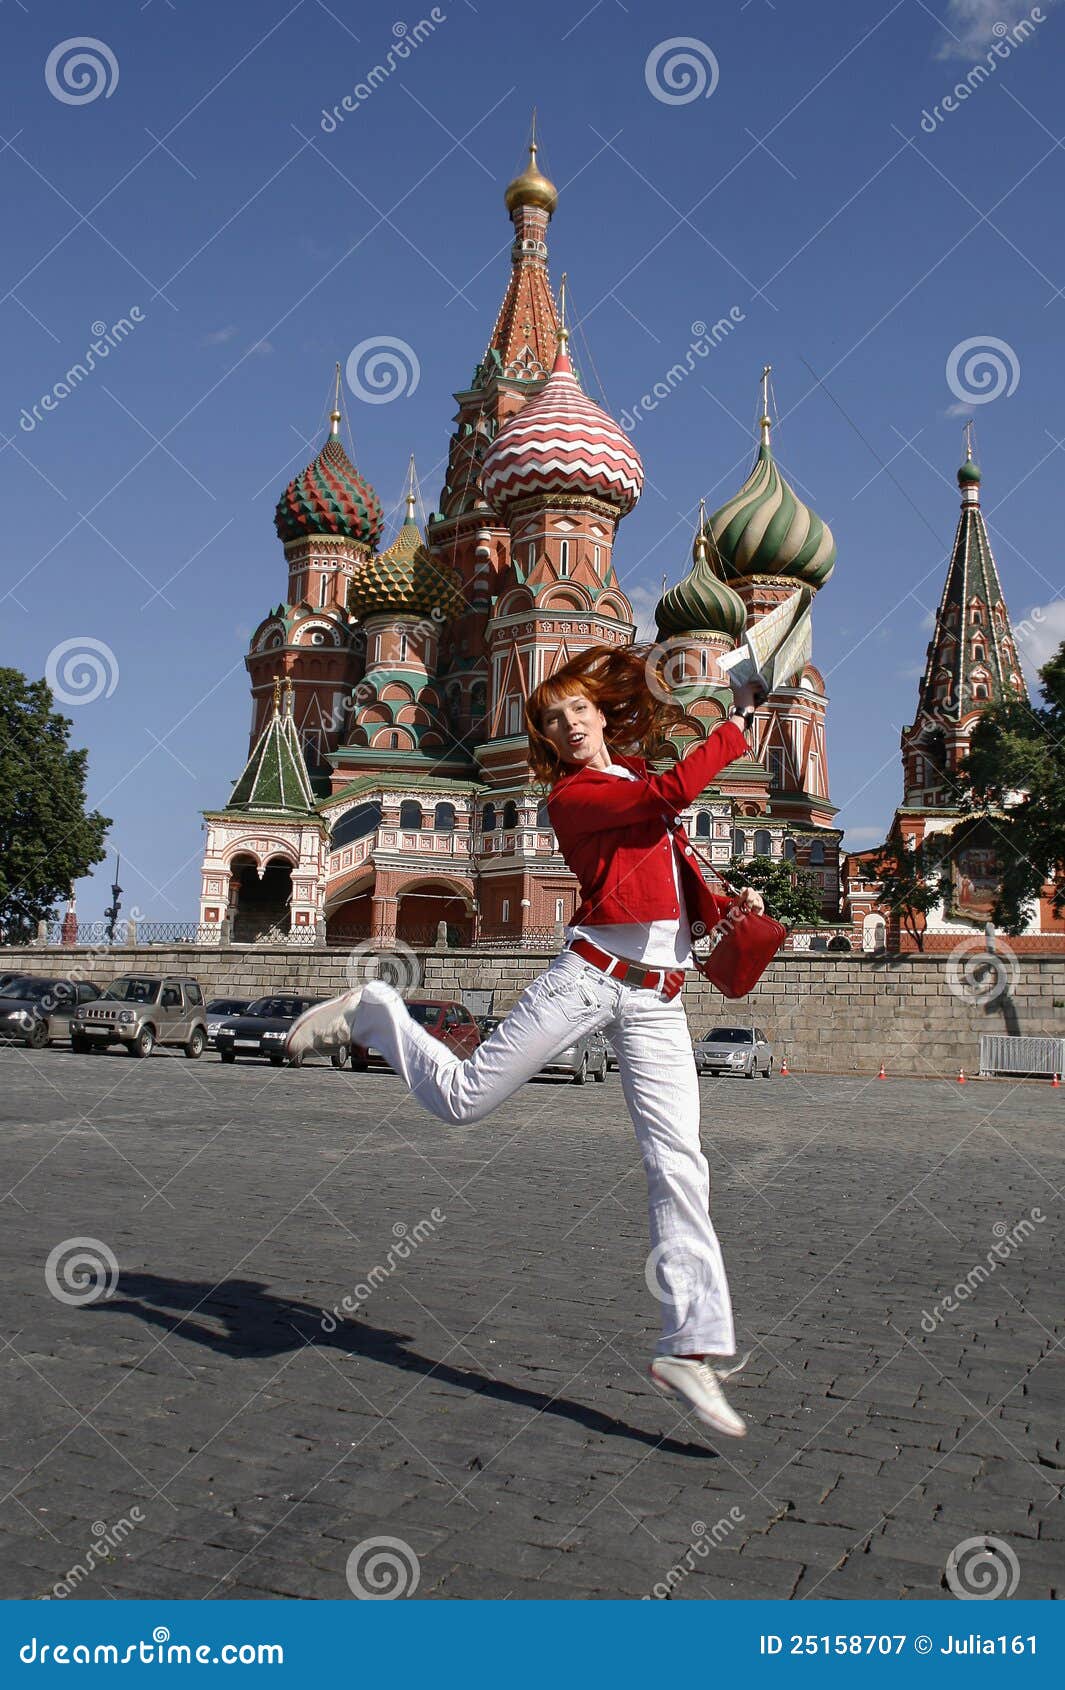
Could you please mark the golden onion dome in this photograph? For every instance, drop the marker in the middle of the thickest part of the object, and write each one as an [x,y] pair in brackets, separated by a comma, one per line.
[532,187]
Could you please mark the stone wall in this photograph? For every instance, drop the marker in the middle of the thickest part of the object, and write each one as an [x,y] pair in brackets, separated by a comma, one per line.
[829,1013]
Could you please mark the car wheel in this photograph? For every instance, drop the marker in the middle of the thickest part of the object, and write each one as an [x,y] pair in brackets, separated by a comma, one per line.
[38,1038]
[195,1047]
[769,1069]
[752,1070]
[143,1044]
[601,1076]
[339,1057]
[581,1075]
[227,1055]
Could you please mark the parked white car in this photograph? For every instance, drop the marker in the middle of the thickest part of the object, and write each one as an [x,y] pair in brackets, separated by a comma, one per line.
[734,1050]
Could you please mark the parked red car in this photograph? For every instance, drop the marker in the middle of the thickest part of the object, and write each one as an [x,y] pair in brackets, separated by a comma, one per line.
[448,1021]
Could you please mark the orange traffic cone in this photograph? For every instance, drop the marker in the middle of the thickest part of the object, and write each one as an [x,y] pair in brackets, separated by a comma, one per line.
[961,1076]
[1056,1081]
[784,1069]
[883,1072]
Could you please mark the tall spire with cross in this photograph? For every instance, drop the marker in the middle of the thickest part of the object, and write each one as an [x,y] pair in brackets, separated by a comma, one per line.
[523,340]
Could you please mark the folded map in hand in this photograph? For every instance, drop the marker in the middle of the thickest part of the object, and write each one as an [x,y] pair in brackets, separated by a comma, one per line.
[776,647]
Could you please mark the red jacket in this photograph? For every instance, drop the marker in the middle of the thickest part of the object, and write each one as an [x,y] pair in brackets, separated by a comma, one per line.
[615,836]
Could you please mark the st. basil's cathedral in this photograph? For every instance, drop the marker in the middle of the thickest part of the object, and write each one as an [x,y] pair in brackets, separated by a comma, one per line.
[387,790]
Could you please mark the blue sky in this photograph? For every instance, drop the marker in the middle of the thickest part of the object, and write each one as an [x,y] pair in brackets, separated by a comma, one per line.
[815,182]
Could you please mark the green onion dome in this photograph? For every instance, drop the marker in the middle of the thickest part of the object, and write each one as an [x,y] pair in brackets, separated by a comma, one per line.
[969,474]
[702,602]
[767,530]
[330,497]
[406,580]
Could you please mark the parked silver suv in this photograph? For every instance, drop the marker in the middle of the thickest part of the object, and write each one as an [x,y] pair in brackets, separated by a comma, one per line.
[141,1011]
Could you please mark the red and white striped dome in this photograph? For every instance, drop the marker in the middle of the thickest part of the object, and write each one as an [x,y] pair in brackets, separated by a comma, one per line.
[562,442]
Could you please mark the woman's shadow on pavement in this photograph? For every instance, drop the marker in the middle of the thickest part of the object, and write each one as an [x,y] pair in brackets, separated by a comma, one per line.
[255,1322]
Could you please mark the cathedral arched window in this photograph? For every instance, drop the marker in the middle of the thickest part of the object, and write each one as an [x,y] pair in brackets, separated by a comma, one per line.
[976,616]
[542,817]
[444,818]
[488,819]
[410,815]
[763,843]
[702,825]
[355,824]
[510,813]
[980,690]
[789,850]
[817,852]
[739,843]
[403,639]
[978,653]
[563,558]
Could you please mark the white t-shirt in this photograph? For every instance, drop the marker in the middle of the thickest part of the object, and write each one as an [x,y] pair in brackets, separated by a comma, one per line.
[660,944]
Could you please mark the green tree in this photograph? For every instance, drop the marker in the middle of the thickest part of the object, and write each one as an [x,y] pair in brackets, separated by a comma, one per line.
[47,838]
[1015,776]
[791,894]
[911,883]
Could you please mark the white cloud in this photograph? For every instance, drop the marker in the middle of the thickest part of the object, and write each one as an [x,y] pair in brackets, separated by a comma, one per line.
[643,602]
[218,337]
[971,25]
[1039,633]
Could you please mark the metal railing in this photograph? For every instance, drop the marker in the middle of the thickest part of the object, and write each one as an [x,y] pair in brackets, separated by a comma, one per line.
[1002,1053]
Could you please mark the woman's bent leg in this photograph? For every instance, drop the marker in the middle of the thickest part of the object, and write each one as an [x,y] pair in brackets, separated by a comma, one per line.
[545,1019]
[661,1086]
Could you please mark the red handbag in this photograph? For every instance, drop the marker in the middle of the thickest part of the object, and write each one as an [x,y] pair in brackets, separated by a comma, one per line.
[743,944]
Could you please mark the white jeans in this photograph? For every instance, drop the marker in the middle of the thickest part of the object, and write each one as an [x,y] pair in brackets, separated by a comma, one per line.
[685,1270]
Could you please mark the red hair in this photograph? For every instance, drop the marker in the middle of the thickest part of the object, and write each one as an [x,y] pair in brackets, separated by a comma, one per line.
[617,679]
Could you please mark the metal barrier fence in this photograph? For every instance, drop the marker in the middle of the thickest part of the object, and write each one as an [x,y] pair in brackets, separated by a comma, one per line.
[1001,1053]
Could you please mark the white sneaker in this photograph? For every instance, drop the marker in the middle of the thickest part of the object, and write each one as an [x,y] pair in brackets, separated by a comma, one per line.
[324,1026]
[697,1384]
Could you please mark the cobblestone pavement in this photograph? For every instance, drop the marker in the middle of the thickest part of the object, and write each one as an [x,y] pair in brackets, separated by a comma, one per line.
[212,1428]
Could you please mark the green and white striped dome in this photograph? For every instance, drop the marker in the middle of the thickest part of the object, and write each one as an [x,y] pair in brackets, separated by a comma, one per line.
[702,603]
[767,530]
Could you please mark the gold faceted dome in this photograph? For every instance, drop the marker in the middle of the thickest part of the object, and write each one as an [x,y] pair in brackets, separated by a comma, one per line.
[532,187]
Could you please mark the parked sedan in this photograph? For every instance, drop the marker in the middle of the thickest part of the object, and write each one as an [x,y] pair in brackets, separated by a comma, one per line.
[220,1010]
[35,1011]
[262,1029]
[587,1055]
[446,1019]
[734,1050]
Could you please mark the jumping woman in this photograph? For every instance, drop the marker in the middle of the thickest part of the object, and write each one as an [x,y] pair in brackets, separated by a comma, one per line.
[621,971]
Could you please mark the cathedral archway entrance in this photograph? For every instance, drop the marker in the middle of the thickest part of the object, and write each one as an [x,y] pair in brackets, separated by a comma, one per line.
[262,903]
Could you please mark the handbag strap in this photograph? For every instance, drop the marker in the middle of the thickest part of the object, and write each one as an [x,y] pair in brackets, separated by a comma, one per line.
[714,870]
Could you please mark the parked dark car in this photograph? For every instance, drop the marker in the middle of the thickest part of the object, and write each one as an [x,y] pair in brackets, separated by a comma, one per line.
[34,1011]
[488,1024]
[447,1020]
[262,1029]
[220,1010]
